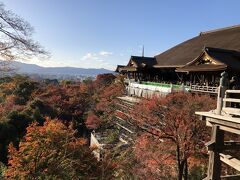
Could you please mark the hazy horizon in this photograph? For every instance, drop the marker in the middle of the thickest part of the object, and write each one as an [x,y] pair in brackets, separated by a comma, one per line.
[94,34]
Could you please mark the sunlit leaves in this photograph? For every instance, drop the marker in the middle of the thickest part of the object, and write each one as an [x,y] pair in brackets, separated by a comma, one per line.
[52,151]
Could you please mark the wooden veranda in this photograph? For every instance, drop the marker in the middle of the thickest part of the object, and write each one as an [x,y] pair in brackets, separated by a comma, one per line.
[226,118]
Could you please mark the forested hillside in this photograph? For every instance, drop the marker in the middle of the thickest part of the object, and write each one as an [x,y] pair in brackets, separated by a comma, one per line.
[41,122]
[45,131]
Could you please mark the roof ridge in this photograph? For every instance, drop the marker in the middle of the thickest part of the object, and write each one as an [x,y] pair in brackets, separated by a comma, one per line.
[219,29]
[143,57]
[220,49]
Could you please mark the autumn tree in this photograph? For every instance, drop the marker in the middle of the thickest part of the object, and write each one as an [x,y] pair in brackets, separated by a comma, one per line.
[24,101]
[102,96]
[104,80]
[172,120]
[106,105]
[68,102]
[155,158]
[77,104]
[52,151]
[92,121]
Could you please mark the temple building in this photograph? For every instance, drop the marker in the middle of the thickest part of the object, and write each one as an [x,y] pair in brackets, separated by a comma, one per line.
[146,69]
[196,63]
[205,69]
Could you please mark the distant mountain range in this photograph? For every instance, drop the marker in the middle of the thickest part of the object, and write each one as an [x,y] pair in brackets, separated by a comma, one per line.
[35,69]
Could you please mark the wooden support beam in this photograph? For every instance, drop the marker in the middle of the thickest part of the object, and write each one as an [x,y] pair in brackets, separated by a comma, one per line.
[224,125]
[231,100]
[231,161]
[202,118]
[231,177]
[210,145]
[214,165]
[231,110]
[229,145]
[212,115]
[232,91]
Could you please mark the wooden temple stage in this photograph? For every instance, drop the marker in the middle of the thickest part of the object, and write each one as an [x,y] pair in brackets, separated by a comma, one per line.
[226,118]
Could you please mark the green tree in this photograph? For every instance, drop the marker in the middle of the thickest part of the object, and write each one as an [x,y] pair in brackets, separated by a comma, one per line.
[23,92]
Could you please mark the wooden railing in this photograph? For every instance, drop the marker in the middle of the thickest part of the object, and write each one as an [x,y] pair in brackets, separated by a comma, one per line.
[225,118]
[205,89]
[231,102]
[175,87]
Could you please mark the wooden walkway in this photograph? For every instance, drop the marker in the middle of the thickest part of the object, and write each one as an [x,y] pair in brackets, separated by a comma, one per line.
[226,118]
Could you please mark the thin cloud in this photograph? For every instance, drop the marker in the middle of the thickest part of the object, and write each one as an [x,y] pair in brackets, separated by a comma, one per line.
[97,60]
[90,56]
[96,56]
[105,53]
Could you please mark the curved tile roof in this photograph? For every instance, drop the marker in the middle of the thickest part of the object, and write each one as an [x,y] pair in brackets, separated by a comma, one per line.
[140,61]
[225,38]
[223,59]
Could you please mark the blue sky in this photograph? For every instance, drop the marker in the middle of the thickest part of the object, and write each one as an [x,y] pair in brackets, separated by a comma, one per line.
[104,33]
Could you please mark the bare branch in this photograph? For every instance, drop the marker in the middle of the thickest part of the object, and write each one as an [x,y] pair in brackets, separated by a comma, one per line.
[16,38]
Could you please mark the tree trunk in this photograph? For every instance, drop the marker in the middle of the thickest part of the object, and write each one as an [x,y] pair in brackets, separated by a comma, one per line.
[180,164]
[185,169]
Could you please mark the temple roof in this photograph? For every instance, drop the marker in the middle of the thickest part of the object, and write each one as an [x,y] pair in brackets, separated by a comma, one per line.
[142,62]
[125,68]
[225,38]
[213,59]
[118,69]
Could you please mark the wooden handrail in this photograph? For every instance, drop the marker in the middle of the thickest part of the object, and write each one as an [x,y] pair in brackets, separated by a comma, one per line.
[203,88]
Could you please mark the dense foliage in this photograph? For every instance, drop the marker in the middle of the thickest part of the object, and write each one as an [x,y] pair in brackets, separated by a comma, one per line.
[52,151]
[169,141]
[25,105]
[173,138]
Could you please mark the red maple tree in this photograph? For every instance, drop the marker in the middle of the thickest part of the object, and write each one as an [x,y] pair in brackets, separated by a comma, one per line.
[172,119]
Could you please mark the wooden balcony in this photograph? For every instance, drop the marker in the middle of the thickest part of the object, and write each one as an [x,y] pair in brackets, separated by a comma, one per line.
[151,89]
[148,89]
[203,89]
[225,118]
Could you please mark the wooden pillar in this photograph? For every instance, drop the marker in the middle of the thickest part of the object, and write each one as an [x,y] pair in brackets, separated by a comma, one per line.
[213,80]
[203,80]
[215,146]
[207,80]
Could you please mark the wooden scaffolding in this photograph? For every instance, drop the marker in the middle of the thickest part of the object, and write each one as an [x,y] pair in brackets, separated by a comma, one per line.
[226,118]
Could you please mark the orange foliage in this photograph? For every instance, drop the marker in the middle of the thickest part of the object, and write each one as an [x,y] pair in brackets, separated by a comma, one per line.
[52,152]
